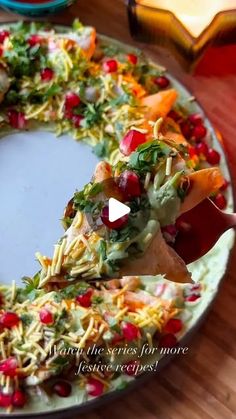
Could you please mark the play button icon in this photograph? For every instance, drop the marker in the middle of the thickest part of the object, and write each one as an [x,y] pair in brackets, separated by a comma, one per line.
[117,209]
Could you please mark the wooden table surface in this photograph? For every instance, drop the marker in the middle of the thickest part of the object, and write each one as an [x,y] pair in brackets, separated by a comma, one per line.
[202,384]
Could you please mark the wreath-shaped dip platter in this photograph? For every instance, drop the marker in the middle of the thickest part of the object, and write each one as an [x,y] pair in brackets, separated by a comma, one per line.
[81,326]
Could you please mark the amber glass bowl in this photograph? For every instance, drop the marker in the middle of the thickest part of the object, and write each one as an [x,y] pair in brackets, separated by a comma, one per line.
[162,27]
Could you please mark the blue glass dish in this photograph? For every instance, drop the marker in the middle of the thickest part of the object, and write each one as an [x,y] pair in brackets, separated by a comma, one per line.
[35,9]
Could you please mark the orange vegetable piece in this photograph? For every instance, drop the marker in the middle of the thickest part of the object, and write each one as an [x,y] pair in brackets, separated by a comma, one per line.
[159,104]
[202,184]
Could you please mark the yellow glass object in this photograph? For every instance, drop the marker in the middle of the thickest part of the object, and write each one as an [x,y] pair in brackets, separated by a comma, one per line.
[186,27]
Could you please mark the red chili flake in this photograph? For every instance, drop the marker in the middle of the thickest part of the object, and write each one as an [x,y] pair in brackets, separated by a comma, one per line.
[94,387]
[85,300]
[173,326]
[62,388]
[46,316]
[132,58]
[9,319]
[110,66]
[167,341]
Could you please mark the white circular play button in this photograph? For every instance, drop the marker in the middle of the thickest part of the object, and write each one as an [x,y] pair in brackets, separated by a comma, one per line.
[117,209]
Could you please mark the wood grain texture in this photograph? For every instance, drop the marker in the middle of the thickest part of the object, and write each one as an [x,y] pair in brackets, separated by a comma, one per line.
[202,384]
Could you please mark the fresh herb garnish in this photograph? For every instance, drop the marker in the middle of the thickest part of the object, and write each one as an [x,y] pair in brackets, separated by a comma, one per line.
[102,249]
[26,319]
[71,291]
[83,199]
[148,155]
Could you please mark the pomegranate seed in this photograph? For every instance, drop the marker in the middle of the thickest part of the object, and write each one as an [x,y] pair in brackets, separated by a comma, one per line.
[192,152]
[129,183]
[114,225]
[16,119]
[170,229]
[62,388]
[76,119]
[9,319]
[94,387]
[213,157]
[69,114]
[167,341]
[130,331]
[186,129]
[202,149]
[1,51]
[47,74]
[9,366]
[46,317]
[220,201]
[199,132]
[162,82]
[85,299]
[117,338]
[192,297]
[110,66]
[131,141]
[225,185]
[173,326]
[72,100]
[195,119]
[132,58]
[19,398]
[174,115]
[131,367]
[195,287]
[34,40]
[5,400]
[3,36]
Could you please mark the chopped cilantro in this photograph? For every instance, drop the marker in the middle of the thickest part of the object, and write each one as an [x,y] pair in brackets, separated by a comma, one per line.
[102,249]
[26,319]
[97,299]
[71,291]
[148,156]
